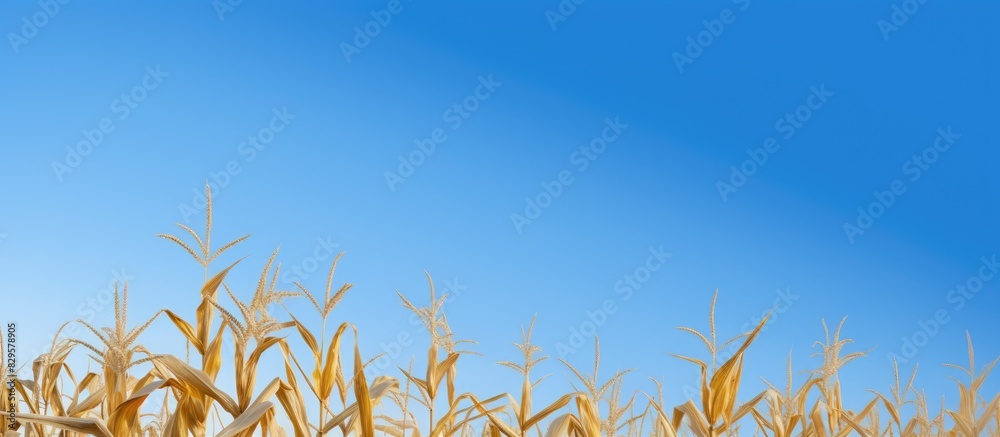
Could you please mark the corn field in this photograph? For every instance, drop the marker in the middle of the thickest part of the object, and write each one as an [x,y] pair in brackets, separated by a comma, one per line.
[113,399]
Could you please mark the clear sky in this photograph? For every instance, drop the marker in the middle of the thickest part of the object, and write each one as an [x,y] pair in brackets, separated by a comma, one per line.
[610,163]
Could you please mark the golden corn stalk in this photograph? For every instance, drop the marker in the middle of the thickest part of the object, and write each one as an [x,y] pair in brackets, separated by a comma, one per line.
[330,394]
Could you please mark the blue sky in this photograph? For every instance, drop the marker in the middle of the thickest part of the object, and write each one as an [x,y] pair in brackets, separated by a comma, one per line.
[610,132]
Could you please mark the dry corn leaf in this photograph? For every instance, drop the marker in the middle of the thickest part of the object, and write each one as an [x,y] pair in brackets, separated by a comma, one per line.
[246,421]
[198,381]
[85,426]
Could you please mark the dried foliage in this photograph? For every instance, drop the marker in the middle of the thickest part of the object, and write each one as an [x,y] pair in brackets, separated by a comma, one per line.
[116,399]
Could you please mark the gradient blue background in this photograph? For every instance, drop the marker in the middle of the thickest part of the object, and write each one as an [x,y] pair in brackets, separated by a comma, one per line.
[656,185]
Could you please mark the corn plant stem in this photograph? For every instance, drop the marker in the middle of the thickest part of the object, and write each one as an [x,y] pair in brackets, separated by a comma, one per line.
[322,402]
[431,410]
